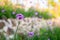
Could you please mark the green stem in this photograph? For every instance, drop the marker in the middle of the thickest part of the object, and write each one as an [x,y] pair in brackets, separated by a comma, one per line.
[15,34]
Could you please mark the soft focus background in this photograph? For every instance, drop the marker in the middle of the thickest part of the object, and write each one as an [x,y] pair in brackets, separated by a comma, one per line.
[29,19]
[50,6]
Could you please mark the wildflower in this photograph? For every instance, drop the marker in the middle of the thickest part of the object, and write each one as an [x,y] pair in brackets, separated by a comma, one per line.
[31,34]
[3,11]
[36,13]
[49,22]
[13,13]
[19,16]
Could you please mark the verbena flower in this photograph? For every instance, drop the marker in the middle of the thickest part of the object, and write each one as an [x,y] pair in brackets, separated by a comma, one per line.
[3,11]
[20,16]
[13,12]
[49,22]
[30,34]
[36,13]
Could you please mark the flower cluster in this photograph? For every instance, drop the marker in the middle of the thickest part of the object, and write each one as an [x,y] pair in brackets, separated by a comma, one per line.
[30,34]
[19,16]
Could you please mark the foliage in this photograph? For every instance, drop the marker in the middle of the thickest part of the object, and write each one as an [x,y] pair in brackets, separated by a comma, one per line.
[30,13]
[2,37]
[44,35]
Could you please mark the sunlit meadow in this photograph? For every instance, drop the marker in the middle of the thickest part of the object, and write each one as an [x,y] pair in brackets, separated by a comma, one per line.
[29,19]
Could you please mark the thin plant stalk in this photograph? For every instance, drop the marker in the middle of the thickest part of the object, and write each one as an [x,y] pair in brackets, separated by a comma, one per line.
[15,34]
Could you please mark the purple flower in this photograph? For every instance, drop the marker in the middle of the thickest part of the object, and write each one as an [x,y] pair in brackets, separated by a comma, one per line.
[50,22]
[13,12]
[36,13]
[30,34]
[19,16]
[3,11]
